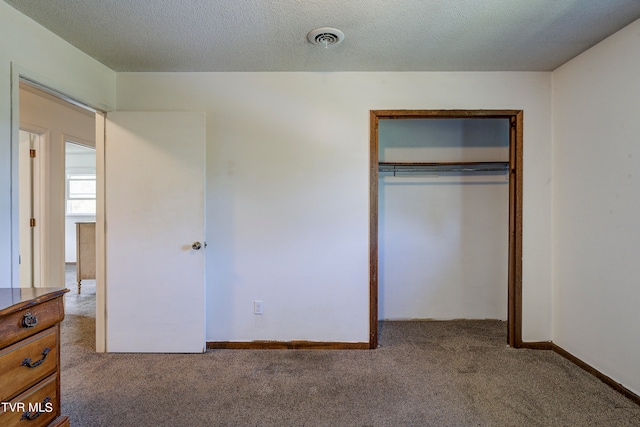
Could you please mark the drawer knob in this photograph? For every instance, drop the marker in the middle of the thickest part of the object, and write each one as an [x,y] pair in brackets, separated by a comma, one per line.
[27,362]
[45,406]
[29,320]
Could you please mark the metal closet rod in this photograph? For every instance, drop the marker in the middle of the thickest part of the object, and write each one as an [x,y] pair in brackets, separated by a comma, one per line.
[402,167]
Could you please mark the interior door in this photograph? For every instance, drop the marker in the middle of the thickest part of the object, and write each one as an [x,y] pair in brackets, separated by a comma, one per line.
[154,231]
[25,209]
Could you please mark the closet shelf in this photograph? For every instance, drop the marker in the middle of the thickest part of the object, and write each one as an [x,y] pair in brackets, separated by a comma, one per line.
[417,168]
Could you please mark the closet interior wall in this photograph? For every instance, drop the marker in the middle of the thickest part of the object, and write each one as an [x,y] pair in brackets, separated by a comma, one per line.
[443,233]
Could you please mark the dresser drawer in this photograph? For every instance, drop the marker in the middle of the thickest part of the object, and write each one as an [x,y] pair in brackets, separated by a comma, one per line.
[25,363]
[36,407]
[30,320]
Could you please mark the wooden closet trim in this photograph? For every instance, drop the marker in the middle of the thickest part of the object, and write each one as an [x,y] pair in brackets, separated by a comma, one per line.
[514,309]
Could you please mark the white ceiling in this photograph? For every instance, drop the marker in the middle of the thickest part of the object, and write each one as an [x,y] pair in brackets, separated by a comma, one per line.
[380,35]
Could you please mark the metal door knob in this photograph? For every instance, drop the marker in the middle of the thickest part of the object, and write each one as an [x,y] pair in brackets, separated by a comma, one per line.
[196,245]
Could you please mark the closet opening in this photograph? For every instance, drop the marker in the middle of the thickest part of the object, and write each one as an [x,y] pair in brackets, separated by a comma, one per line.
[455,176]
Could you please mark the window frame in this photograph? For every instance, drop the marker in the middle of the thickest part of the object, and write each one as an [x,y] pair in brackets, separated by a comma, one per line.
[85,174]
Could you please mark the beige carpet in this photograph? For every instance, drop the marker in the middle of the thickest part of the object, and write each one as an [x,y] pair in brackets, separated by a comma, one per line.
[458,373]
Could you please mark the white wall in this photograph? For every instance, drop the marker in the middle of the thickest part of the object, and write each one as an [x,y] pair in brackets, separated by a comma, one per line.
[40,55]
[596,104]
[287,189]
[443,238]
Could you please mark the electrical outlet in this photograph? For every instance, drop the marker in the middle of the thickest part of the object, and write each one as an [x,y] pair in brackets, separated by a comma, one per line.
[258,307]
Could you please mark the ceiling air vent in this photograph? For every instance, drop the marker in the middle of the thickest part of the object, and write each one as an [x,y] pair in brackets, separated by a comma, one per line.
[325,36]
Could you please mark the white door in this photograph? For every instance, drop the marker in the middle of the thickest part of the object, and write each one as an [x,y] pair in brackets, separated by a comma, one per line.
[25,208]
[30,222]
[154,214]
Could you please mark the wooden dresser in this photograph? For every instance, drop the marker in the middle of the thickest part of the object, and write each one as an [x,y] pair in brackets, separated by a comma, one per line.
[85,251]
[30,357]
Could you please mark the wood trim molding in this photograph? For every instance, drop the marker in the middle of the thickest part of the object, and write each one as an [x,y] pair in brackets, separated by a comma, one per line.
[538,345]
[593,371]
[373,229]
[445,114]
[286,345]
[514,297]
[515,232]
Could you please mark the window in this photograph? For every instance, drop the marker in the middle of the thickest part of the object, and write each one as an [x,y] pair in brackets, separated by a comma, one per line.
[81,193]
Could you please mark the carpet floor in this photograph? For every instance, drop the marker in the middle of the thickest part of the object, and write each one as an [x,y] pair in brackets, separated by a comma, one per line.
[453,373]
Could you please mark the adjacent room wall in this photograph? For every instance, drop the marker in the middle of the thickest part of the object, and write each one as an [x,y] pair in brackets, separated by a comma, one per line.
[40,55]
[287,189]
[596,104]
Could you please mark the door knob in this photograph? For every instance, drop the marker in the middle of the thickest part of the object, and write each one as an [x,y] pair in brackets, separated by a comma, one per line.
[196,245]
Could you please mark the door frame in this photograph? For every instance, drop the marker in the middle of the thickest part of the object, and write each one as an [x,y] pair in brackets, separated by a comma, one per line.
[42,82]
[38,205]
[514,286]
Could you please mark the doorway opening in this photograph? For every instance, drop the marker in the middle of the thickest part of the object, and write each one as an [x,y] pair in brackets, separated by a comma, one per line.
[510,164]
[88,131]
[80,215]
[58,138]
[48,125]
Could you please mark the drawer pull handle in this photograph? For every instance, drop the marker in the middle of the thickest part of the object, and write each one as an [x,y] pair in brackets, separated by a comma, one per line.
[27,362]
[29,320]
[44,407]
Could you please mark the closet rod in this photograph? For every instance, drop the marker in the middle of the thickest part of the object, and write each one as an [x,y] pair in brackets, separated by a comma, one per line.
[393,168]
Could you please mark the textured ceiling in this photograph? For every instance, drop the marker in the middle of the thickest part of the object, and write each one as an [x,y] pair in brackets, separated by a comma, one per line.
[380,35]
